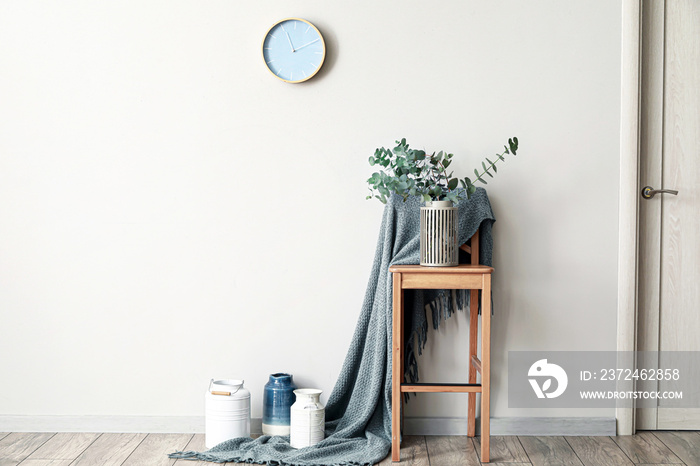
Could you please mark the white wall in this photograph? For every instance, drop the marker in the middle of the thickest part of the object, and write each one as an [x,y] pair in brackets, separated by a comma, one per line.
[170,212]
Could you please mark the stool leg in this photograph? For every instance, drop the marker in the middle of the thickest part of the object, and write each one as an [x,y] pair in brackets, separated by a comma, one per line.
[473,335]
[403,363]
[397,356]
[485,367]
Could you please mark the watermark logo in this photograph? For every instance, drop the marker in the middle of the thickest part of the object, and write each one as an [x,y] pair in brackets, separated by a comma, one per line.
[546,371]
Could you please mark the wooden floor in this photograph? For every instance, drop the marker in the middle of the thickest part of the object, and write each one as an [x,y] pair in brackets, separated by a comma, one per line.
[645,448]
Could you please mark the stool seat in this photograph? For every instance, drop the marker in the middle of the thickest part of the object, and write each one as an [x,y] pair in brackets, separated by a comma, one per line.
[473,277]
[461,268]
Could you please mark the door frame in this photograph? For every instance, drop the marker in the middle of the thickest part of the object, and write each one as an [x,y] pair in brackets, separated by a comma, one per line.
[641,159]
[628,235]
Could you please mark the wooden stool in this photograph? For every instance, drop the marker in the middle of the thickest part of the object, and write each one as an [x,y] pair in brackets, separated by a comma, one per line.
[472,277]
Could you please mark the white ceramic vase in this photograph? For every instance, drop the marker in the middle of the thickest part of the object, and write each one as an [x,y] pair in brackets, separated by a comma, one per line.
[438,234]
[308,419]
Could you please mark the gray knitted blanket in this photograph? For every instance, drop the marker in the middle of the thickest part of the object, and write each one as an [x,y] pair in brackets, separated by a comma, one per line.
[358,412]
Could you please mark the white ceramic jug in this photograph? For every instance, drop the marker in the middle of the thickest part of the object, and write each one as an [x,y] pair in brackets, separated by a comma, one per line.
[308,419]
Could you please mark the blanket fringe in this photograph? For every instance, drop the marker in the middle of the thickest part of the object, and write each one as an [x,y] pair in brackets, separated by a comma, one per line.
[203,456]
[195,456]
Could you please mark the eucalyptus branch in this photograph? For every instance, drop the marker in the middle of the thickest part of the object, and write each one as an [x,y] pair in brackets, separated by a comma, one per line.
[410,172]
[491,165]
[513,143]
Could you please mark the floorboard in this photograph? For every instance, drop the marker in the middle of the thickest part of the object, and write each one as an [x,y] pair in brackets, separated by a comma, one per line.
[598,451]
[549,451]
[109,450]
[29,462]
[154,449]
[16,446]
[500,464]
[645,448]
[63,446]
[504,449]
[685,444]
[414,452]
[451,450]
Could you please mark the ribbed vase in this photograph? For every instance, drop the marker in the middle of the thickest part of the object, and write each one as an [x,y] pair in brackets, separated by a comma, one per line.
[278,398]
[438,234]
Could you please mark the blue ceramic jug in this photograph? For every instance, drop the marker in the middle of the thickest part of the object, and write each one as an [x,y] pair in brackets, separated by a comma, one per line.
[278,398]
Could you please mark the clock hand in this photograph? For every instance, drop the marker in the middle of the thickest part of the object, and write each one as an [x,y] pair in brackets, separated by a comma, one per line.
[289,39]
[305,45]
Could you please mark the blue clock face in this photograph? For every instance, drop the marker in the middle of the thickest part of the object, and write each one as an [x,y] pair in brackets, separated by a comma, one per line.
[294,50]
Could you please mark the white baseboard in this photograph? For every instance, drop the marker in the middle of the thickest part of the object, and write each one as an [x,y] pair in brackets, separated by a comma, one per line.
[412,426]
[126,424]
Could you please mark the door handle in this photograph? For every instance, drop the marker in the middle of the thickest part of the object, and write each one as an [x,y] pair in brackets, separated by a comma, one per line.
[648,192]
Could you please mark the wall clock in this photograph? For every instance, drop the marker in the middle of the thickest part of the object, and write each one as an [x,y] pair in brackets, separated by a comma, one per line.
[294,50]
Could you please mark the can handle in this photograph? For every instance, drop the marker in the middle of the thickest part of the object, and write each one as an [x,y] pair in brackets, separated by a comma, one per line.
[239,387]
[230,393]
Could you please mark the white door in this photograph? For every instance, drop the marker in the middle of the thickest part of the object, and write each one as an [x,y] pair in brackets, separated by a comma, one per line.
[669,258]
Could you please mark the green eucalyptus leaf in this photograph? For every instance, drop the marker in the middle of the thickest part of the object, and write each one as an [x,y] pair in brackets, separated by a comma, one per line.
[472,189]
[513,145]
[452,184]
[427,198]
